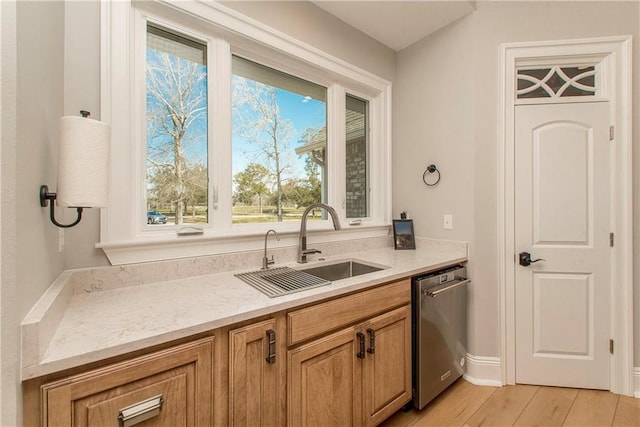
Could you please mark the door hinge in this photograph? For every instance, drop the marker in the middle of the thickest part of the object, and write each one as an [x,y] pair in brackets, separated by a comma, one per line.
[611,346]
[611,133]
[611,239]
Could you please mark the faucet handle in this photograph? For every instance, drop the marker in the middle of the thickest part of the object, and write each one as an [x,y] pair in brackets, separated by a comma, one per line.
[266,262]
[311,251]
[303,254]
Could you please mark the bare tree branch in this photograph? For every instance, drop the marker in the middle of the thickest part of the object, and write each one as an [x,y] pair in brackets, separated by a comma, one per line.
[176,99]
[259,122]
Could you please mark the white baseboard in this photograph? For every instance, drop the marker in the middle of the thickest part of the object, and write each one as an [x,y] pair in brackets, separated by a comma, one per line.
[484,371]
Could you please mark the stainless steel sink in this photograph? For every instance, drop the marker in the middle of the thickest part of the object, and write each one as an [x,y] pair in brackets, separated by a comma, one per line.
[276,282]
[342,270]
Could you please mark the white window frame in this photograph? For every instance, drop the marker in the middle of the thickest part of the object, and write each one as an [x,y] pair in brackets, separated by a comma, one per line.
[123,238]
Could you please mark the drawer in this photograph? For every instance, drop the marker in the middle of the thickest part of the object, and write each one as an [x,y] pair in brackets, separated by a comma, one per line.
[324,317]
[169,387]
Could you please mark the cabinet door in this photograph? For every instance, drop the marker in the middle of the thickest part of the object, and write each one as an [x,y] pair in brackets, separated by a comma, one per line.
[170,387]
[325,382]
[254,371]
[387,368]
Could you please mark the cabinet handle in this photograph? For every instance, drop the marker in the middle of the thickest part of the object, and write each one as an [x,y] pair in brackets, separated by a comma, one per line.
[141,411]
[360,354]
[271,340]
[372,341]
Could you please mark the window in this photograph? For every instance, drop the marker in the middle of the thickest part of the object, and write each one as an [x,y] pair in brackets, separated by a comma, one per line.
[556,82]
[357,165]
[218,135]
[278,161]
[176,128]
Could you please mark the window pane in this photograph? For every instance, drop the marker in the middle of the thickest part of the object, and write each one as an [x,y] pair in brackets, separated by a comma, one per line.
[556,82]
[357,185]
[176,124]
[279,144]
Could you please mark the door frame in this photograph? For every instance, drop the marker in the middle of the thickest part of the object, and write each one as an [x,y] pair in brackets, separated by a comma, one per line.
[615,52]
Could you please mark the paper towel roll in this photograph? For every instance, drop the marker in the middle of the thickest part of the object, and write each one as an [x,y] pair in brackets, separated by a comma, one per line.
[83,163]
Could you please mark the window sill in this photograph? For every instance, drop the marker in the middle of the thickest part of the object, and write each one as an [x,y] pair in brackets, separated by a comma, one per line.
[164,248]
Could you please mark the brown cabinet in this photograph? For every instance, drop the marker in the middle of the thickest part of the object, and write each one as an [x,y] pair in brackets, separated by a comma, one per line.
[256,385]
[343,361]
[387,365]
[325,382]
[360,374]
[169,387]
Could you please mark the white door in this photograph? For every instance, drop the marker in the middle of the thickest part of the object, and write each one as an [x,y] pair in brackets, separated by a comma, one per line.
[562,215]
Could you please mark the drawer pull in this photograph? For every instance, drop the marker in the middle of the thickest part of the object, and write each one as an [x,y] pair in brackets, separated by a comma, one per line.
[141,411]
[271,340]
[372,341]
[361,353]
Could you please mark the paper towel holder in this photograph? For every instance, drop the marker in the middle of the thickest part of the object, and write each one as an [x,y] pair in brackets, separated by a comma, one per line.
[48,198]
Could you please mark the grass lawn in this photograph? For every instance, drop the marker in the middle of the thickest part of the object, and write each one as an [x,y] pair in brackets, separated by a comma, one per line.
[244,215]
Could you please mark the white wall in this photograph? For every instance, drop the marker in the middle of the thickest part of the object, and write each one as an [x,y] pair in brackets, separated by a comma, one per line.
[446,112]
[32,103]
[8,316]
[82,92]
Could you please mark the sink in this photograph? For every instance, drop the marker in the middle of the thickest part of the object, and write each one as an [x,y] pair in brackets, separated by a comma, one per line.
[342,270]
[279,281]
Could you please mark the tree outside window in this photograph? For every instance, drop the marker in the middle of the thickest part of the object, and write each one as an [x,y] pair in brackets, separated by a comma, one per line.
[177,173]
[274,114]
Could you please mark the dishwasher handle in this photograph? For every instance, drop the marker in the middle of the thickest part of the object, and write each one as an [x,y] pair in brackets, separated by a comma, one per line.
[434,294]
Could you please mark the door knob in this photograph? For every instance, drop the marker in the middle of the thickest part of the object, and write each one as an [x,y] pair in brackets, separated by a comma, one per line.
[525,259]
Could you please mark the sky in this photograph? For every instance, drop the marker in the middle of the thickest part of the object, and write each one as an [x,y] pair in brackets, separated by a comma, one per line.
[301,111]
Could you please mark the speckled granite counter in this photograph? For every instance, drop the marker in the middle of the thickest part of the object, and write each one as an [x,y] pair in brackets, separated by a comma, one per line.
[74,324]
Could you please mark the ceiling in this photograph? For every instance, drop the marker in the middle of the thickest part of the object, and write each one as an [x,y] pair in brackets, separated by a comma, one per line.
[397,24]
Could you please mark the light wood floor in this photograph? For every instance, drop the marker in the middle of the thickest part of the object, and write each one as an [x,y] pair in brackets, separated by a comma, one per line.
[465,404]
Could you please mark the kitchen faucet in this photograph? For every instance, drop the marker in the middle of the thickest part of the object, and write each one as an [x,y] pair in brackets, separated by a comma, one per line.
[266,262]
[302,244]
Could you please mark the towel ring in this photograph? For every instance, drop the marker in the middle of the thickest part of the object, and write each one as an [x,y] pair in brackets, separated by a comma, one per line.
[431,169]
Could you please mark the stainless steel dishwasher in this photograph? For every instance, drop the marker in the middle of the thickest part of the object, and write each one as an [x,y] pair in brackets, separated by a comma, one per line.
[439,320]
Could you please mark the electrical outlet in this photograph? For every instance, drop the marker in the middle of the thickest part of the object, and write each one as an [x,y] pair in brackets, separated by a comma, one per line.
[448,222]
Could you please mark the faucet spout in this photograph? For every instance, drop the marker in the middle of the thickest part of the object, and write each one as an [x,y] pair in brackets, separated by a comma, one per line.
[302,240]
[266,262]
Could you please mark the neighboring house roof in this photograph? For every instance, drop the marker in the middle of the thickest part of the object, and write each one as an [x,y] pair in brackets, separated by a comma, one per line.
[355,130]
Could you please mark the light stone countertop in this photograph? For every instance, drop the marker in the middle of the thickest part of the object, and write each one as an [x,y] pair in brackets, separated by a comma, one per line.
[67,329]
